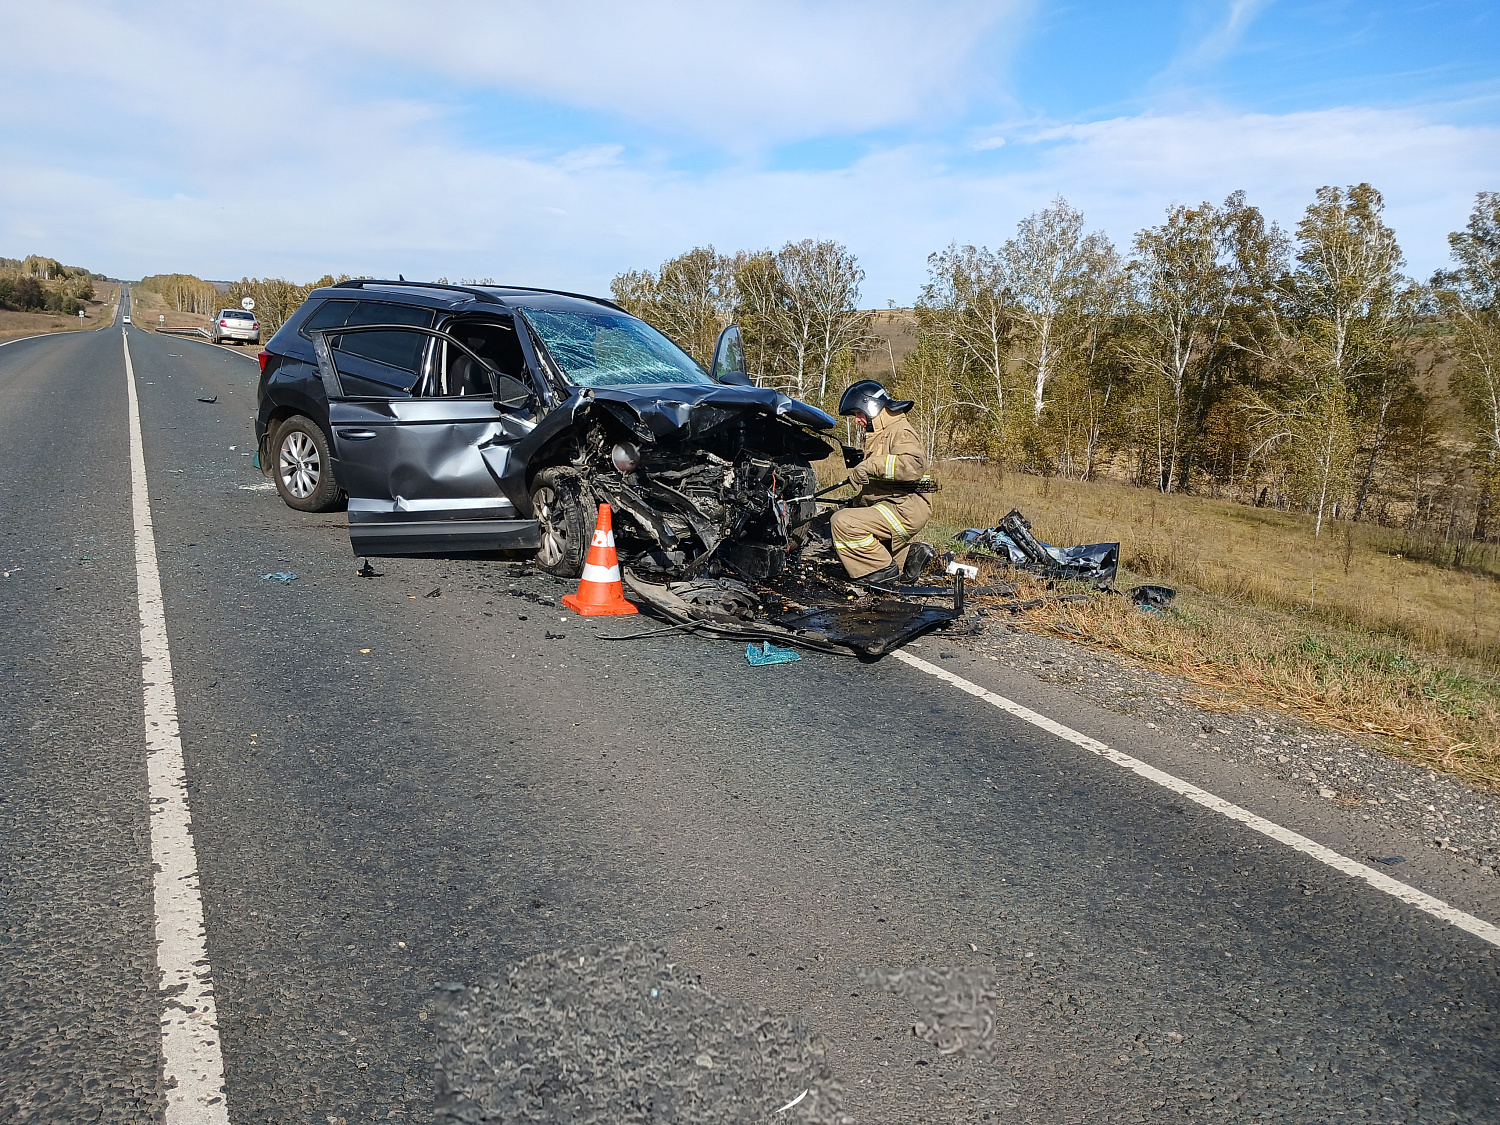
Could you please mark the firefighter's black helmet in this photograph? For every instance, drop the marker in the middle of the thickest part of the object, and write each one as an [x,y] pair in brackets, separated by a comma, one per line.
[869,398]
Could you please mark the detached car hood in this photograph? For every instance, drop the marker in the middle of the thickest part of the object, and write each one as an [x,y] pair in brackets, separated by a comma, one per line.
[655,411]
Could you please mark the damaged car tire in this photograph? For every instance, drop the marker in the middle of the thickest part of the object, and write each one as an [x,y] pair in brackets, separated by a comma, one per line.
[302,466]
[566,526]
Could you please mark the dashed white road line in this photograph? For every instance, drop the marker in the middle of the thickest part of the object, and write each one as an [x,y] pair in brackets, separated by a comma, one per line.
[1486,931]
[192,1061]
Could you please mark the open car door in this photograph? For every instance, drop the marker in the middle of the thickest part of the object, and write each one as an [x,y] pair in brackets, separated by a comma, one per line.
[422,428]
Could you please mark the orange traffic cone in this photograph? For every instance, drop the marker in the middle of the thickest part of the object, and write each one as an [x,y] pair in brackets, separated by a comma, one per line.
[600,593]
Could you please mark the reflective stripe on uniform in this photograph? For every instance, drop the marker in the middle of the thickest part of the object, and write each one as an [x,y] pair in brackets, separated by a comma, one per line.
[890,466]
[888,514]
[856,544]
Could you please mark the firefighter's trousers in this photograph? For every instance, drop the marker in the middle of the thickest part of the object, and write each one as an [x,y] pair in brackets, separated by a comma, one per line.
[868,538]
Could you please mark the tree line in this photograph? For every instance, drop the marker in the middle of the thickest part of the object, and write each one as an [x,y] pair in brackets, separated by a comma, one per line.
[275,298]
[40,284]
[1218,354]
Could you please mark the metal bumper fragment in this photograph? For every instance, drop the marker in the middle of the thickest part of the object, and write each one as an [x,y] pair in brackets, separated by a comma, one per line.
[867,630]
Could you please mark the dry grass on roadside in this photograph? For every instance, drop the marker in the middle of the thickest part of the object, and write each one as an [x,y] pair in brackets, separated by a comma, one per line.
[99,311]
[148,306]
[1353,575]
[1413,704]
[1340,630]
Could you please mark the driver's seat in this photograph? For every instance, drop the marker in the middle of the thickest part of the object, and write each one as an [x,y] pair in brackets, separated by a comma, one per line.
[463,376]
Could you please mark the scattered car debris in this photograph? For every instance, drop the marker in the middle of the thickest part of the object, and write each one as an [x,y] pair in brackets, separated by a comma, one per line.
[1157,597]
[368,571]
[279,576]
[551,636]
[435,592]
[820,618]
[1389,861]
[210,400]
[1011,539]
[767,653]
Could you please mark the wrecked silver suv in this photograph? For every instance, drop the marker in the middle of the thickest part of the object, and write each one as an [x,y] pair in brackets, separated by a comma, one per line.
[464,419]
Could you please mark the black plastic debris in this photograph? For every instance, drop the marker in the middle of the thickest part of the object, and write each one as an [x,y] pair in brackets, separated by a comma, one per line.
[368,571]
[1389,861]
[724,607]
[1157,597]
[435,592]
[1012,540]
[210,401]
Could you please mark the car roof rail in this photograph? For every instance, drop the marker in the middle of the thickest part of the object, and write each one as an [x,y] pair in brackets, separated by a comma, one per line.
[562,293]
[481,294]
[361,282]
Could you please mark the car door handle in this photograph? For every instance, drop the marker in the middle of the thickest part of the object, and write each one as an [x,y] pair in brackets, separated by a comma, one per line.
[357,435]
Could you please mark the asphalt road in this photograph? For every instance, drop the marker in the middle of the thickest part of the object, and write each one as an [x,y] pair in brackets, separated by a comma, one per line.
[408,783]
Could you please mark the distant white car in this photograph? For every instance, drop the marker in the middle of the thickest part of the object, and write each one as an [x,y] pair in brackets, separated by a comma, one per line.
[235,325]
[127,320]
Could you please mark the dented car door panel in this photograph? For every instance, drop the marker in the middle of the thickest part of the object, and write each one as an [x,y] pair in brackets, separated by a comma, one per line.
[418,470]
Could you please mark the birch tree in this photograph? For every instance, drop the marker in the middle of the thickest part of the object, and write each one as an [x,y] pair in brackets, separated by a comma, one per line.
[690,299]
[1469,295]
[1197,277]
[964,313]
[1045,267]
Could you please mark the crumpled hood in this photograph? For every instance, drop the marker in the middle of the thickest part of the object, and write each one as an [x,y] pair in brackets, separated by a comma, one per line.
[656,411]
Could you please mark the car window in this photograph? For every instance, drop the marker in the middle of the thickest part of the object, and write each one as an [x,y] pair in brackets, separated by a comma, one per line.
[330,314]
[235,314]
[494,343]
[382,312]
[336,314]
[393,348]
[606,349]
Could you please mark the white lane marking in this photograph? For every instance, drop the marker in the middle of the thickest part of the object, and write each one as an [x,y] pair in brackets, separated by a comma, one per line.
[1486,931]
[38,336]
[192,1061]
[220,348]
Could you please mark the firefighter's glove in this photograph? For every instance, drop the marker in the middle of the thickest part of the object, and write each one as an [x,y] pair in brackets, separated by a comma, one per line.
[859,476]
[852,456]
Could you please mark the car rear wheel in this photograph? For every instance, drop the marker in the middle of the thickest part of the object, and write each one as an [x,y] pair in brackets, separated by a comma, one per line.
[302,466]
[558,507]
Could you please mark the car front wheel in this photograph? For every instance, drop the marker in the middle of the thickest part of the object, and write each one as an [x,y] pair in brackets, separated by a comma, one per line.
[302,466]
[565,525]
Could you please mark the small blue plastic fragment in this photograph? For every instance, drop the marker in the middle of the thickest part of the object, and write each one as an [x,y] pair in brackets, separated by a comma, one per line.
[280,576]
[767,653]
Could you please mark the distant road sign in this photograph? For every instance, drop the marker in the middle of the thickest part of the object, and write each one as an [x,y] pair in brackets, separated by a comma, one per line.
[248,304]
[161,318]
[80,314]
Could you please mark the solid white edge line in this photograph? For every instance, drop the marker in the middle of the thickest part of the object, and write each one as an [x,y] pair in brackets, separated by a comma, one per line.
[1481,929]
[43,336]
[192,1060]
[210,344]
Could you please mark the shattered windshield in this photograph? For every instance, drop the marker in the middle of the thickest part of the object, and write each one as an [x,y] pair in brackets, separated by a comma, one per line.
[607,349]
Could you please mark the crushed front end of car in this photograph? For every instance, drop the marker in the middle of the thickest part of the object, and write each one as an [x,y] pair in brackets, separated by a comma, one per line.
[698,477]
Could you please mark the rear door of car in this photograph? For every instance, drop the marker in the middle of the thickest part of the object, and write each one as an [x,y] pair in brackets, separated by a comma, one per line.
[421,436]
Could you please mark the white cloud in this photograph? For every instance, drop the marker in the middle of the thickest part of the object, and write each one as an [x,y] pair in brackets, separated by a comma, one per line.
[123,154]
[736,72]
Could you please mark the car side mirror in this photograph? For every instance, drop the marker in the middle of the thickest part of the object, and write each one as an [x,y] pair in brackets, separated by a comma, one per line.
[736,379]
[510,392]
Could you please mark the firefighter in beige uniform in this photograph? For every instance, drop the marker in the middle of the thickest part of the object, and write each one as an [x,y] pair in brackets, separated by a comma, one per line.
[873,535]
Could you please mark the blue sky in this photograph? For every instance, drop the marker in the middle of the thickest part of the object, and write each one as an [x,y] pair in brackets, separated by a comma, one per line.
[560,143]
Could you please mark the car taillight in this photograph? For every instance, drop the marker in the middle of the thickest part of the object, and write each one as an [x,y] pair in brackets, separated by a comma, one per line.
[223,324]
[264,357]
